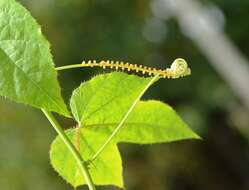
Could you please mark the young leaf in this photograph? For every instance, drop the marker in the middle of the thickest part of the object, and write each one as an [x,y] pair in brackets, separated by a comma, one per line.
[106,96]
[27,73]
[150,122]
[99,105]
[105,170]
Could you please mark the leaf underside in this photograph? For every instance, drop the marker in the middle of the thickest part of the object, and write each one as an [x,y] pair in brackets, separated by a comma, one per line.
[27,73]
[98,105]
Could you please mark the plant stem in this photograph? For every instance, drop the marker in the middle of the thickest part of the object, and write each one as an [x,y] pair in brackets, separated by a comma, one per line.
[70,67]
[72,149]
[101,149]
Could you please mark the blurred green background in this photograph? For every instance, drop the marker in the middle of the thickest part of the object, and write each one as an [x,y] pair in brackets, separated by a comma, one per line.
[132,31]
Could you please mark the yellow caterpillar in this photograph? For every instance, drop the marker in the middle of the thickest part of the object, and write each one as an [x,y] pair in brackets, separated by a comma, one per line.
[179,68]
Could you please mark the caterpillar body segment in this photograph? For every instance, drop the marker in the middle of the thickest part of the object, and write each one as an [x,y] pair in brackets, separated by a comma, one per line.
[179,68]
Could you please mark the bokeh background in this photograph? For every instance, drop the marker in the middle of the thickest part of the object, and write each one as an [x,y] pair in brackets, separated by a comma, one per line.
[212,35]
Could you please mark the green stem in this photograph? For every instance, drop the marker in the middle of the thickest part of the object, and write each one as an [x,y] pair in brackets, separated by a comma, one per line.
[70,67]
[72,149]
[107,142]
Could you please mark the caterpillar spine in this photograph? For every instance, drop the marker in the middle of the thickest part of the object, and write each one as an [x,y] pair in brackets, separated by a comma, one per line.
[179,68]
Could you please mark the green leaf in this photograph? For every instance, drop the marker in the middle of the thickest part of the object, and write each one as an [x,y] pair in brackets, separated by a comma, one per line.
[105,170]
[94,101]
[27,73]
[150,122]
[99,105]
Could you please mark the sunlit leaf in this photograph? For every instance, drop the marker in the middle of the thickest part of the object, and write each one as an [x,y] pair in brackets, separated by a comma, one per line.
[98,105]
[27,73]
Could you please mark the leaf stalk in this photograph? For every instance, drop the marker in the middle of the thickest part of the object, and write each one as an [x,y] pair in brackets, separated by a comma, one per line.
[107,142]
[80,161]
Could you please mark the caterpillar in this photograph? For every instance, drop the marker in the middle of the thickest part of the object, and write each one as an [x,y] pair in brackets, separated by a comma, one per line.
[179,68]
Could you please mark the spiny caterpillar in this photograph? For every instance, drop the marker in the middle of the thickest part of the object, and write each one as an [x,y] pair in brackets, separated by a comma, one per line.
[179,68]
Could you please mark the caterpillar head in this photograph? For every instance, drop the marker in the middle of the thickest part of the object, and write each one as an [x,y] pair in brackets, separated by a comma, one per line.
[179,68]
